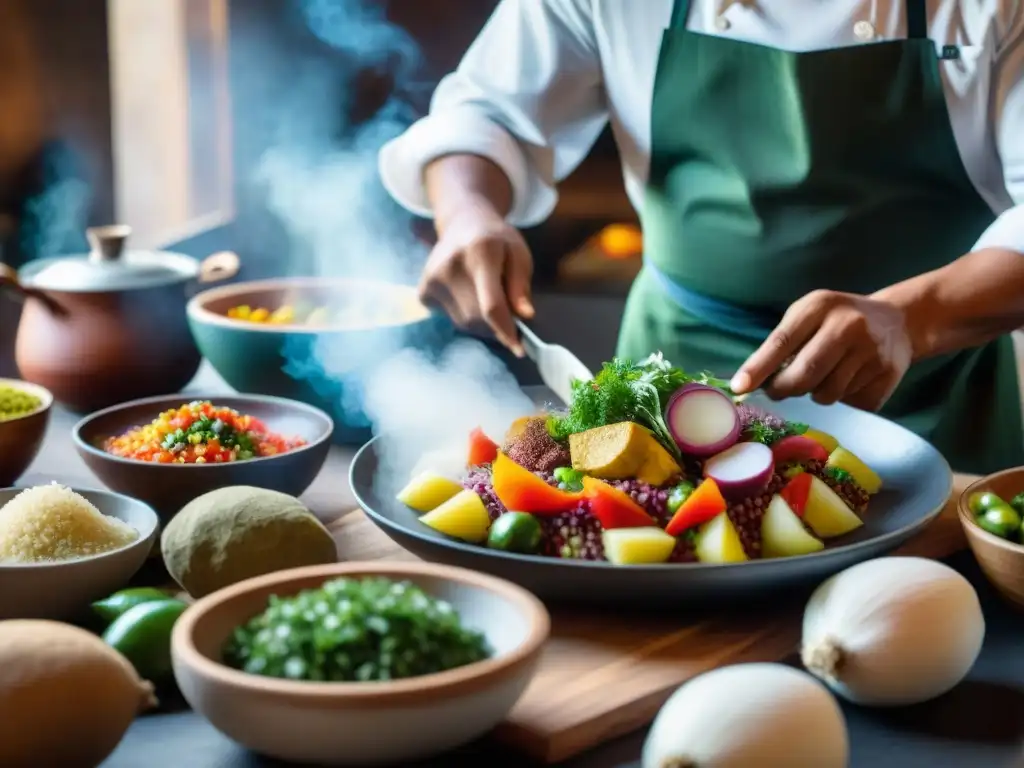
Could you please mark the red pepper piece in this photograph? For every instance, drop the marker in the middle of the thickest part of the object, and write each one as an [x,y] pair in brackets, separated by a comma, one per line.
[482,450]
[614,508]
[705,503]
[798,449]
[796,491]
[522,491]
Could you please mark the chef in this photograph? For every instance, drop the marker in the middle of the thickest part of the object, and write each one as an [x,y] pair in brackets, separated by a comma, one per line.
[831,191]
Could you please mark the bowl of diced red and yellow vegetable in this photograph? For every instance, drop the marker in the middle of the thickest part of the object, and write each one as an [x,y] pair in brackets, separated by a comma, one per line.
[657,484]
[168,450]
[312,339]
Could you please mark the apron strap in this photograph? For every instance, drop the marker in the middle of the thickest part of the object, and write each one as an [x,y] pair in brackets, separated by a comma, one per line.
[681,14]
[917,19]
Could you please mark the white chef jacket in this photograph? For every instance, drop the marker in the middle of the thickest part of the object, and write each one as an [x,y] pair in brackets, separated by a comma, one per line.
[544,77]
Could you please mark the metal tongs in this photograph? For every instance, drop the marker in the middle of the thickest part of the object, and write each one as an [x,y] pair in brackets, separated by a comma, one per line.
[558,367]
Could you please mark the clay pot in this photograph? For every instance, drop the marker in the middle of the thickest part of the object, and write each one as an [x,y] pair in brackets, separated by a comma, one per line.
[109,326]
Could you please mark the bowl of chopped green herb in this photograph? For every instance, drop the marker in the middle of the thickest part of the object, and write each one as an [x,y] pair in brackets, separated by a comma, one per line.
[359,663]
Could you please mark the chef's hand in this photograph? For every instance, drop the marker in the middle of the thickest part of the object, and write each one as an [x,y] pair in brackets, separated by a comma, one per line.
[479,272]
[835,346]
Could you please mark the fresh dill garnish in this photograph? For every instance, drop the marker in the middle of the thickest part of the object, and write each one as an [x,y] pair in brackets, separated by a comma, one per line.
[626,391]
[762,432]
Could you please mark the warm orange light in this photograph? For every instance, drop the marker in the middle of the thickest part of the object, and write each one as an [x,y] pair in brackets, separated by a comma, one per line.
[621,241]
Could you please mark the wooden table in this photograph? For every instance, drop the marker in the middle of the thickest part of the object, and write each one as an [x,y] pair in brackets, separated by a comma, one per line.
[980,724]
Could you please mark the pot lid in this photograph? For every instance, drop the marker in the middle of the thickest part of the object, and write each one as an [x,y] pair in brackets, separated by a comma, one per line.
[109,266]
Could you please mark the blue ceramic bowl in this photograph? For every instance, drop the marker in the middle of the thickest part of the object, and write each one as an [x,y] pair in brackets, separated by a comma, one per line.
[322,365]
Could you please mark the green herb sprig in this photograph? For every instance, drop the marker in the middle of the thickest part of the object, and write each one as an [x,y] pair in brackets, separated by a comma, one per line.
[626,391]
[762,432]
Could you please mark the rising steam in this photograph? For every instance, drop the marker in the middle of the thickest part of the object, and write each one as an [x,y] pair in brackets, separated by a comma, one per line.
[327,195]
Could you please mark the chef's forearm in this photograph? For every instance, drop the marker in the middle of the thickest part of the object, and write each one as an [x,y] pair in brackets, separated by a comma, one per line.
[455,182]
[968,303]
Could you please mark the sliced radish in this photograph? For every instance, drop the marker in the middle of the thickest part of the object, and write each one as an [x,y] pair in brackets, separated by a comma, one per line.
[741,471]
[703,420]
[798,449]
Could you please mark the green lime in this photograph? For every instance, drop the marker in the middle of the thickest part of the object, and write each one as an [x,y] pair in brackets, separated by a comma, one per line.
[142,634]
[1001,520]
[109,608]
[982,500]
[515,532]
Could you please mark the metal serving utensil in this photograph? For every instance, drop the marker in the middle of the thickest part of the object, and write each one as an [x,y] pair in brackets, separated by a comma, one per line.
[558,367]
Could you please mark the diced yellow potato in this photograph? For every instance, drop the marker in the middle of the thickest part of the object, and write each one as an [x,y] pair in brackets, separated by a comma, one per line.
[864,476]
[823,439]
[826,513]
[259,315]
[428,490]
[463,516]
[719,542]
[283,315]
[637,546]
[783,533]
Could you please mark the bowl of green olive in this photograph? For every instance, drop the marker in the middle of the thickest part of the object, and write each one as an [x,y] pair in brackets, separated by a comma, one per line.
[992,513]
[359,664]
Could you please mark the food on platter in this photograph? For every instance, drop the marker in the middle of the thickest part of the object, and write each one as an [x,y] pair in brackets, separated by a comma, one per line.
[15,403]
[355,630]
[67,698]
[52,523]
[235,533]
[199,433]
[429,490]
[645,455]
[910,614]
[997,516]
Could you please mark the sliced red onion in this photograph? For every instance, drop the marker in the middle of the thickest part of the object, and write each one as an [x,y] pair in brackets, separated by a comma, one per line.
[702,420]
[742,471]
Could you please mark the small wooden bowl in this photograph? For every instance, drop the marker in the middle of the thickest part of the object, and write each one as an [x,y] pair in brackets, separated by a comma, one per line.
[361,724]
[22,437]
[1001,561]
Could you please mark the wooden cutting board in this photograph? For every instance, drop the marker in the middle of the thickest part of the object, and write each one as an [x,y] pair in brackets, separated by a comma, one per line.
[602,676]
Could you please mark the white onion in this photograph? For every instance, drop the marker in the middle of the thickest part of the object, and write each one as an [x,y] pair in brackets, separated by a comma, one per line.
[896,630]
[749,716]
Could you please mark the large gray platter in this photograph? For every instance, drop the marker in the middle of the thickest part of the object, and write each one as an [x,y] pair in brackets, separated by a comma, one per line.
[917,483]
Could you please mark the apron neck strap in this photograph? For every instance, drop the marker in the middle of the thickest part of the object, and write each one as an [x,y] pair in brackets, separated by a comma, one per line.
[917,17]
[681,13]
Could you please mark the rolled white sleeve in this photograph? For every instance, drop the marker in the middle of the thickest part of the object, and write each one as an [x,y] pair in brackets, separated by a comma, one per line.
[528,96]
[1007,231]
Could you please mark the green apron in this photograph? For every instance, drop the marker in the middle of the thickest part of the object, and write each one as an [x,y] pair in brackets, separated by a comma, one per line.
[774,174]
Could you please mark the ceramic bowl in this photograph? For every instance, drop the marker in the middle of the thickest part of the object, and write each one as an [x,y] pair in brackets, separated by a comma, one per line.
[1001,561]
[361,724]
[322,365]
[169,487]
[22,437]
[64,590]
